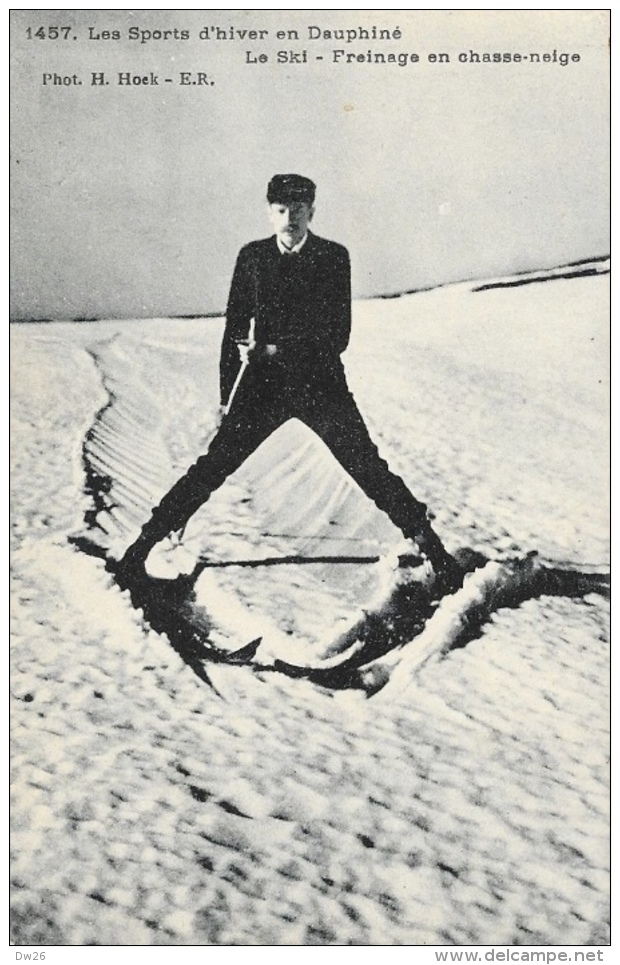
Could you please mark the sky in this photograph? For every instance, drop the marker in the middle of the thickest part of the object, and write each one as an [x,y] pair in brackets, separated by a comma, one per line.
[132,200]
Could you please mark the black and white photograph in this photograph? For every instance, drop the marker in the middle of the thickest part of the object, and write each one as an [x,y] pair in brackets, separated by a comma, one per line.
[310,537]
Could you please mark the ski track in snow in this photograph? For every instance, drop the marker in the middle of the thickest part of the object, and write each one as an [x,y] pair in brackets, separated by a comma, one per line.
[469,805]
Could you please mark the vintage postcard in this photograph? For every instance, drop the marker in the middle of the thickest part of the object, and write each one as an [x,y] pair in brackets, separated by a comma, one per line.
[310,532]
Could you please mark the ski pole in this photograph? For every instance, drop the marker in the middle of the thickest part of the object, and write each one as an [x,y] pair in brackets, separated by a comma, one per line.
[248,344]
[237,382]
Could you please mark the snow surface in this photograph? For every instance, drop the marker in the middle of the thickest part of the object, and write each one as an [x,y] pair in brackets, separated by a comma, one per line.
[469,807]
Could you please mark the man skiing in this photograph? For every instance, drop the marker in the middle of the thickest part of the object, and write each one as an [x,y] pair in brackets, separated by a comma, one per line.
[288,321]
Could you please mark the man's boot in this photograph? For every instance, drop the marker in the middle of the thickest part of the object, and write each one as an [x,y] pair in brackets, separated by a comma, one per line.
[130,569]
[449,575]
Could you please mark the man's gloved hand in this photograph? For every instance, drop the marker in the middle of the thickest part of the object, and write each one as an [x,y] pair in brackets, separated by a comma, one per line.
[245,351]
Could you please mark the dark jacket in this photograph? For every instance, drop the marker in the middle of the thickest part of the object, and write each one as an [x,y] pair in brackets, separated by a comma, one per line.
[300,303]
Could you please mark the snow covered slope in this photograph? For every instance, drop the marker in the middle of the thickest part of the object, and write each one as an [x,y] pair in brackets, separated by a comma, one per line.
[469,808]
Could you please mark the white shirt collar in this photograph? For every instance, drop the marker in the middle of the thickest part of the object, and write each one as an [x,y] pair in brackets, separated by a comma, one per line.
[295,249]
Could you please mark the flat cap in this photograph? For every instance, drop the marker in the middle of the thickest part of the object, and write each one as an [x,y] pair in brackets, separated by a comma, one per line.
[284,188]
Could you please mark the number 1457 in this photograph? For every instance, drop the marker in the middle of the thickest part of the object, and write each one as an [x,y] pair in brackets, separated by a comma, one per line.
[48,33]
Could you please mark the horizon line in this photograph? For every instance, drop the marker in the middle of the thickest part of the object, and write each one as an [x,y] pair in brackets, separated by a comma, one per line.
[26,320]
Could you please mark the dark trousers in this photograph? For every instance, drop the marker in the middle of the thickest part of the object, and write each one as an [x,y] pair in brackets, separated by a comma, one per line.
[271,393]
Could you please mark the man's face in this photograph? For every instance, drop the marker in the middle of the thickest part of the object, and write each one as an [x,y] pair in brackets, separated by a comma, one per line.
[290,221]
